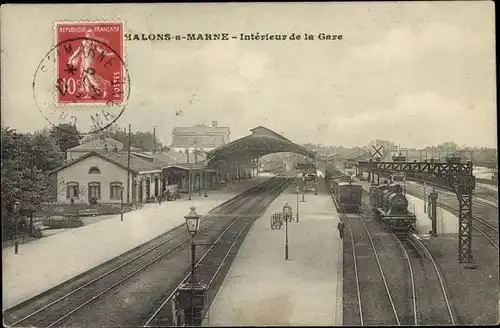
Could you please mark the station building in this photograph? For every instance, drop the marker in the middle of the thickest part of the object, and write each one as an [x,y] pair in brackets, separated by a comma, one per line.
[103,171]
[101,175]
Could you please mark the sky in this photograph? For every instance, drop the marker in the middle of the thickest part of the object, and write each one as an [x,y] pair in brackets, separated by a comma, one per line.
[415,73]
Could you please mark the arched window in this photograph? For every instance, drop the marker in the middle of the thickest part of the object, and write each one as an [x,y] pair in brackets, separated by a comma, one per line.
[94,170]
[95,190]
[115,190]
[72,190]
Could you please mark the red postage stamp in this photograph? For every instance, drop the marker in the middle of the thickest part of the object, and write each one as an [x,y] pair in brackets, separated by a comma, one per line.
[89,63]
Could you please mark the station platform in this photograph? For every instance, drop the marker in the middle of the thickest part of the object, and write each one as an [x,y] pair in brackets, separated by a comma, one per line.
[262,288]
[50,261]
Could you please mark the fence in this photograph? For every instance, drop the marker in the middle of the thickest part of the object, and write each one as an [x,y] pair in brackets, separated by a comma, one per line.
[489,182]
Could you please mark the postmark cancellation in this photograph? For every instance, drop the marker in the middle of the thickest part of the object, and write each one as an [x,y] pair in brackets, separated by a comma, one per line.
[83,79]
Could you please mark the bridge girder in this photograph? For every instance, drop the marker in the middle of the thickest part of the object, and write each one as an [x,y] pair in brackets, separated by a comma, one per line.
[461,180]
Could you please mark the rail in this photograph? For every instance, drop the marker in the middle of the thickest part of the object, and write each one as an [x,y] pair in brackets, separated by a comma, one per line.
[381,273]
[412,278]
[239,200]
[357,276]
[418,244]
[453,210]
[207,253]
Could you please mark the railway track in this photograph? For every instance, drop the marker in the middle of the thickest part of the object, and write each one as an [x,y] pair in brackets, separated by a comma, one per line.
[445,306]
[54,308]
[491,195]
[382,314]
[366,311]
[424,268]
[488,231]
[211,268]
[423,276]
[485,229]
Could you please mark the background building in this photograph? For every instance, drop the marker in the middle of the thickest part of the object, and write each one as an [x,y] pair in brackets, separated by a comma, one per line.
[103,143]
[195,141]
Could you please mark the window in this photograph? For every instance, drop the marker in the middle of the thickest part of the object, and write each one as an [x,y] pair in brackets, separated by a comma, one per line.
[95,190]
[94,170]
[148,188]
[72,190]
[115,190]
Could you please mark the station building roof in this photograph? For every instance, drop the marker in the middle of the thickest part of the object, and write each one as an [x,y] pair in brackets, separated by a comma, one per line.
[261,142]
[190,167]
[120,159]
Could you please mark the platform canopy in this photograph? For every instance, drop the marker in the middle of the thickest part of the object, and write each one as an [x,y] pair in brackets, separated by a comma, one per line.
[261,142]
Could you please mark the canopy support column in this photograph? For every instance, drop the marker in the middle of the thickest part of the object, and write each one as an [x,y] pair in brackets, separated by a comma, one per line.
[189,184]
[206,182]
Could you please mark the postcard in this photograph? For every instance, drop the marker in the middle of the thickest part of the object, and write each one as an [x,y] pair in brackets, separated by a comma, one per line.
[249,164]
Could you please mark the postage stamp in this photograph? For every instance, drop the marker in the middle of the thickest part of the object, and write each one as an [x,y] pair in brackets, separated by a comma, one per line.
[89,69]
[83,80]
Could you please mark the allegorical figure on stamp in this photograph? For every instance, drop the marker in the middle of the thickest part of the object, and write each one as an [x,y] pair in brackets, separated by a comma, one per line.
[90,83]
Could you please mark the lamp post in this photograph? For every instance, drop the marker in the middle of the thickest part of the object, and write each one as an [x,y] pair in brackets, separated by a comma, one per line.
[287,213]
[433,197]
[303,191]
[121,203]
[17,205]
[192,226]
[297,190]
[425,197]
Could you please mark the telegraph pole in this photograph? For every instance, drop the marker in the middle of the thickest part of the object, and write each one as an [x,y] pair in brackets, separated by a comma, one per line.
[33,180]
[128,165]
[154,139]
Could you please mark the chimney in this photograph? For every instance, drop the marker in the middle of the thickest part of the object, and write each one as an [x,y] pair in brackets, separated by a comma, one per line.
[187,155]
[214,124]
[196,155]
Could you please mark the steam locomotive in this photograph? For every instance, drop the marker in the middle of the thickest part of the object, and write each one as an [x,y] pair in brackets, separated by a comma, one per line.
[391,206]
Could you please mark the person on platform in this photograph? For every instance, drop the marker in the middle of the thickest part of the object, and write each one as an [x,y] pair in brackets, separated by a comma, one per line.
[340,226]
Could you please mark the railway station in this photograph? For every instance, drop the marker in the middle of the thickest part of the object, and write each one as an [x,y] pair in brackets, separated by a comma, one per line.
[258,241]
[322,242]
[198,171]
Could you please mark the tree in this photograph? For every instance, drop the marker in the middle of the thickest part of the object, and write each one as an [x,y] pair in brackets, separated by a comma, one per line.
[48,155]
[66,136]
[25,157]
[138,139]
[448,146]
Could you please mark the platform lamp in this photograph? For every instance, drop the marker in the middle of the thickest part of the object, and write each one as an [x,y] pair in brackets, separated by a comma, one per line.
[287,215]
[17,205]
[192,226]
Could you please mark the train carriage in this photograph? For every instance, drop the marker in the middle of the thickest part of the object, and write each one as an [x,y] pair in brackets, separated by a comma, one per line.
[348,196]
[334,181]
